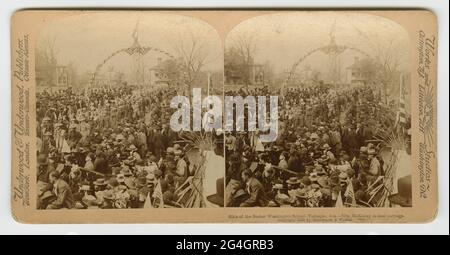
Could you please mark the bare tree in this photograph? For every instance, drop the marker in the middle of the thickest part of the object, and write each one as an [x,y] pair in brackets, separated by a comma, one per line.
[46,60]
[245,44]
[193,56]
[388,55]
[47,51]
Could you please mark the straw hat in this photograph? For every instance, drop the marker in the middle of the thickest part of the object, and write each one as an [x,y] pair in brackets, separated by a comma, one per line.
[313,176]
[108,195]
[293,180]
[277,186]
[100,182]
[305,181]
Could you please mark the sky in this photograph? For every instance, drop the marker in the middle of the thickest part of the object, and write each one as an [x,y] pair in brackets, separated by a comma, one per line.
[87,39]
[283,38]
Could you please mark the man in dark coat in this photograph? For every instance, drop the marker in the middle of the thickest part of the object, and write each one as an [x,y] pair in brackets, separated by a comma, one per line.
[352,142]
[294,163]
[360,135]
[62,191]
[158,142]
[257,195]
[73,137]
[100,163]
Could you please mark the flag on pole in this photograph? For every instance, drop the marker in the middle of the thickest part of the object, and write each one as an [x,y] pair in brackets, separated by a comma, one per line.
[148,202]
[339,202]
[401,112]
[209,83]
[158,195]
[349,192]
[65,148]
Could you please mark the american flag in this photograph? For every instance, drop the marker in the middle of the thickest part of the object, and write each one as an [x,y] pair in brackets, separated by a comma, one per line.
[401,112]
[158,196]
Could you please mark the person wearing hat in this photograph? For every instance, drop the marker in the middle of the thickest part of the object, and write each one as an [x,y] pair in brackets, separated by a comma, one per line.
[89,165]
[350,141]
[344,159]
[181,172]
[234,168]
[239,197]
[134,152]
[125,170]
[280,199]
[84,128]
[293,183]
[62,191]
[112,184]
[176,147]
[230,142]
[158,141]
[294,163]
[108,200]
[323,160]
[282,161]
[47,141]
[313,176]
[268,179]
[335,186]
[305,182]
[73,137]
[44,169]
[120,179]
[343,180]
[144,189]
[336,139]
[360,133]
[361,164]
[151,159]
[255,189]
[122,197]
[141,140]
[327,152]
[74,178]
[158,174]
[151,181]
[99,187]
[300,197]
[319,170]
[374,167]
[100,163]
[60,135]
[314,196]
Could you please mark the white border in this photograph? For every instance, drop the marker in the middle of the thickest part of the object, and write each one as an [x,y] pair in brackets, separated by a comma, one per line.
[438,226]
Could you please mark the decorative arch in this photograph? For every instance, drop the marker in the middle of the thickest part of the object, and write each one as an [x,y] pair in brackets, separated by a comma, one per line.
[135,49]
[332,48]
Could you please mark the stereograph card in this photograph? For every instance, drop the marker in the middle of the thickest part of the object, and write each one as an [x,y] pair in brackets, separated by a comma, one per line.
[224,116]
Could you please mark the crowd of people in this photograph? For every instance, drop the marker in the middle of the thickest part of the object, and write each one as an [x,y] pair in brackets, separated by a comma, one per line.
[325,155]
[113,148]
[109,148]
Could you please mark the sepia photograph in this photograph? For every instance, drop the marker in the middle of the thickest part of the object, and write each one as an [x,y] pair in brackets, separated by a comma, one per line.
[224,116]
[344,117]
[104,82]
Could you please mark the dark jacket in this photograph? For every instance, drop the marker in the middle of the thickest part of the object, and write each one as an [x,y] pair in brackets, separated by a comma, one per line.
[257,194]
[64,196]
